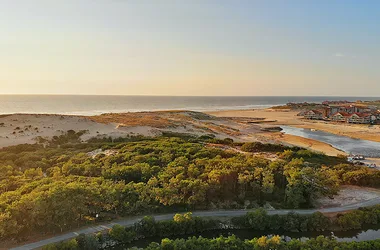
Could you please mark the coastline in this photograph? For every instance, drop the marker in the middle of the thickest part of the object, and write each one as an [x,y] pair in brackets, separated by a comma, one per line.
[290,118]
[241,125]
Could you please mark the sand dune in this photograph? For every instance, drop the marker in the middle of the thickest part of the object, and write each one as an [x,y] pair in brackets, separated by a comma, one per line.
[25,128]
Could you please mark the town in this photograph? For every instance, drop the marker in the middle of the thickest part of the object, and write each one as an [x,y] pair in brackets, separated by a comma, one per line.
[345,112]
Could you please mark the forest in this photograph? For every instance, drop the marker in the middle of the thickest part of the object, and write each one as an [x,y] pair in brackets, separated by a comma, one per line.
[55,186]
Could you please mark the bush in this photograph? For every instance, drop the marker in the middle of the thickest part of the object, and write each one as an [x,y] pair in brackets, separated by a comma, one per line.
[254,147]
[121,234]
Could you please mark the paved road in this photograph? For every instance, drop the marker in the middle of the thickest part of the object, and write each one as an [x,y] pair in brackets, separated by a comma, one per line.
[218,213]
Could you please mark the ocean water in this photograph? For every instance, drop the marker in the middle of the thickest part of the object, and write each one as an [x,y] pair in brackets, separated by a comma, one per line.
[94,105]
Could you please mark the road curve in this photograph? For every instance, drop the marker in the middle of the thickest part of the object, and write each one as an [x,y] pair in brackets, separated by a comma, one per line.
[214,213]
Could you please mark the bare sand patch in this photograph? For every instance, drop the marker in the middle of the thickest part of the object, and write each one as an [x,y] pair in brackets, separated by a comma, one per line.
[269,115]
[349,195]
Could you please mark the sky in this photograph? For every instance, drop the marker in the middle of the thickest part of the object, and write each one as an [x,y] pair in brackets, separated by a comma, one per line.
[191,48]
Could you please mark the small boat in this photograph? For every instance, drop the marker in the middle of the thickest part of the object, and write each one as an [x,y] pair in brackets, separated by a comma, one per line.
[313,130]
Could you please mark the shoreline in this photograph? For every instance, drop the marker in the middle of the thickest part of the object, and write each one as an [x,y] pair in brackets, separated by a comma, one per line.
[306,143]
[290,118]
[24,128]
[122,111]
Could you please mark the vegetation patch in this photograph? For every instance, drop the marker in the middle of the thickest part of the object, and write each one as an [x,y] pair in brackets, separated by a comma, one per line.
[58,186]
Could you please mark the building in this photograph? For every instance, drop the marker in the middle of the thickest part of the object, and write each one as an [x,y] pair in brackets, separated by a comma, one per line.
[328,103]
[358,113]
[349,109]
[340,117]
[357,118]
[302,113]
[313,115]
[377,114]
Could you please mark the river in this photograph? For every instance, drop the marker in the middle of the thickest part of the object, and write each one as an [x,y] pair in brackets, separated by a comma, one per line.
[343,236]
[344,143]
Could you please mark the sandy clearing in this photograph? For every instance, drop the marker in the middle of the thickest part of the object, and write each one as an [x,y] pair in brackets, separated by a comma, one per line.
[349,195]
[279,117]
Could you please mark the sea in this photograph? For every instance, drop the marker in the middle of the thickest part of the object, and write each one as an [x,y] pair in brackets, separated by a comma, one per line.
[98,104]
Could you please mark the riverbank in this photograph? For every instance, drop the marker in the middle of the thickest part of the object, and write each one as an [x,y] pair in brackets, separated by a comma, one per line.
[290,118]
[303,142]
[270,118]
[206,220]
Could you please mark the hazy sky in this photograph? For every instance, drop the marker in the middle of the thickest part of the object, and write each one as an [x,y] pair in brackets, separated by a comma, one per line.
[163,47]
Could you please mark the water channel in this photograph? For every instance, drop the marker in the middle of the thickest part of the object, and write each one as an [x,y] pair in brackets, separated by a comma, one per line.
[344,143]
[341,236]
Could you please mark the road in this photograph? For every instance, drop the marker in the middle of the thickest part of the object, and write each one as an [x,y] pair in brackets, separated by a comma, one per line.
[213,213]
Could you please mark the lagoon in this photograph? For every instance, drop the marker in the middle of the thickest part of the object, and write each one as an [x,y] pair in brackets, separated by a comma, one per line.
[344,143]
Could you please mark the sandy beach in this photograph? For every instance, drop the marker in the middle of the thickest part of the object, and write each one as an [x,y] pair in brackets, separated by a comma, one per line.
[290,118]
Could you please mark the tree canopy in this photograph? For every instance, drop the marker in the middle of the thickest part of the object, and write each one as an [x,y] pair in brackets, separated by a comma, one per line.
[61,186]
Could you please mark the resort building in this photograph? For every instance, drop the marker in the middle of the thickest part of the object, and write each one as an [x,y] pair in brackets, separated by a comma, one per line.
[359,118]
[313,115]
[339,117]
[345,112]
[377,114]
[350,109]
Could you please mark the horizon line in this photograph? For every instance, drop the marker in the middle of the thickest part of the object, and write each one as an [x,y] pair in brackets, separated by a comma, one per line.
[146,95]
